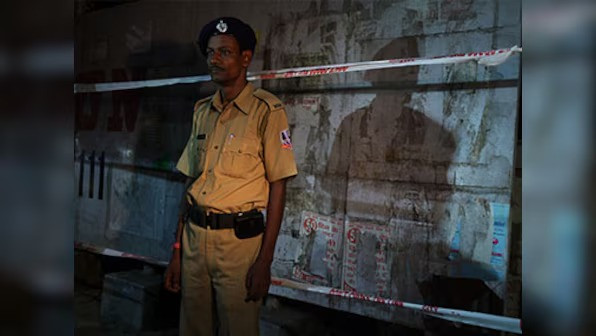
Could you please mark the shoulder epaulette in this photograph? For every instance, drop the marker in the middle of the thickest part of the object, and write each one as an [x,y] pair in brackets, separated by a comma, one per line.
[269,98]
[201,101]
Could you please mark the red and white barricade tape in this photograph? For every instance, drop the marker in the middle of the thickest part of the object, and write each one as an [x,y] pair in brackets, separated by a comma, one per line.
[488,58]
[496,322]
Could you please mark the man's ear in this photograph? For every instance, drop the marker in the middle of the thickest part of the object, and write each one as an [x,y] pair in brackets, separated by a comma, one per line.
[246,58]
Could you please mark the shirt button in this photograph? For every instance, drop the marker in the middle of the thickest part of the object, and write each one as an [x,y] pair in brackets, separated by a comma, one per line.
[209,171]
[204,193]
[240,151]
[216,147]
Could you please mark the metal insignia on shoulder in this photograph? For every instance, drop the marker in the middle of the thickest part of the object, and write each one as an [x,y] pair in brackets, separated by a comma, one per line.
[222,26]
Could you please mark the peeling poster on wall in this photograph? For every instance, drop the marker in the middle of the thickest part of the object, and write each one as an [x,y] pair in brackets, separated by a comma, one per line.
[321,238]
[500,218]
[366,266]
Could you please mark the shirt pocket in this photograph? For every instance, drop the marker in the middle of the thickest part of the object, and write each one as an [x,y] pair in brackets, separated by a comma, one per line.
[240,157]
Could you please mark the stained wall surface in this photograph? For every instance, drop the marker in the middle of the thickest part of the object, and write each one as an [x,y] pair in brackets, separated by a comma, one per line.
[405,175]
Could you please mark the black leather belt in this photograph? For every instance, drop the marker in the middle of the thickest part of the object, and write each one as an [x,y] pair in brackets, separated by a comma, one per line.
[199,217]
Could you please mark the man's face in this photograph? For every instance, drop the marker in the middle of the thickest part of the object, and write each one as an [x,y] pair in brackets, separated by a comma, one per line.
[225,61]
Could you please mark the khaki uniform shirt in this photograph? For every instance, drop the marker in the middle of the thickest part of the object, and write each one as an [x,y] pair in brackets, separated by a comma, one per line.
[235,153]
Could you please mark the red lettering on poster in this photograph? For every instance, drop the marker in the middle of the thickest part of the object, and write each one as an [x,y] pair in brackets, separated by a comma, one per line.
[309,224]
[352,234]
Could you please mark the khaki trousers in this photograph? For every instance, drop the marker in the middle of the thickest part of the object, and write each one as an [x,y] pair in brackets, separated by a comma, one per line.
[214,268]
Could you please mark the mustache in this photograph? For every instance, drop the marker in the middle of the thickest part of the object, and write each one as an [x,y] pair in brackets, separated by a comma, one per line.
[216,68]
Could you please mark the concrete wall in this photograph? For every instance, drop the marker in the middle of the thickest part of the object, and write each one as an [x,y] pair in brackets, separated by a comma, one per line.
[404,174]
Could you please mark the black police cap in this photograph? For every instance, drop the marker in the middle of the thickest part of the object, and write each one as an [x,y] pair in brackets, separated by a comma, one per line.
[231,26]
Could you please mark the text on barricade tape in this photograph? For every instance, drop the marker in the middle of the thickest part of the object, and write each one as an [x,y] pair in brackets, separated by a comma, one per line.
[496,322]
[484,320]
[488,58]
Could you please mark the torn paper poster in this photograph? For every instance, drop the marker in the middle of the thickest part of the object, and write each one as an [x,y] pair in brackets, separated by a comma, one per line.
[500,219]
[366,266]
[321,239]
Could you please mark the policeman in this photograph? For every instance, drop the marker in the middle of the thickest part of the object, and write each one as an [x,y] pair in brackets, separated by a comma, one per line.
[237,161]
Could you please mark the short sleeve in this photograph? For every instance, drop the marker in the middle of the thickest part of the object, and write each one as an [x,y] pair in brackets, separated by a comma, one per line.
[185,159]
[190,162]
[192,159]
[277,147]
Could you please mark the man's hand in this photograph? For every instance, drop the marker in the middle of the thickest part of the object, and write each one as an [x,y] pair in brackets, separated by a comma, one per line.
[258,277]
[258,280]
[172,281]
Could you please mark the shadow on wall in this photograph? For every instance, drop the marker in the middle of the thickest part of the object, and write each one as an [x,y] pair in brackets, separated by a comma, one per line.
[391,142]
[388,165]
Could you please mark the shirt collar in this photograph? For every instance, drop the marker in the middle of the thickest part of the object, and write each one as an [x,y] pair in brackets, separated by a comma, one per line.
[242,100]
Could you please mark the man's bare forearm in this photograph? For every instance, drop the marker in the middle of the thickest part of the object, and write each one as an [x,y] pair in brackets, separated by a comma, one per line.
[275,211]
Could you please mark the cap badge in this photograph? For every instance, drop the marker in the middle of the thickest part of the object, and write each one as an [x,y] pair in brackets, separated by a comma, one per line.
[222,26]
